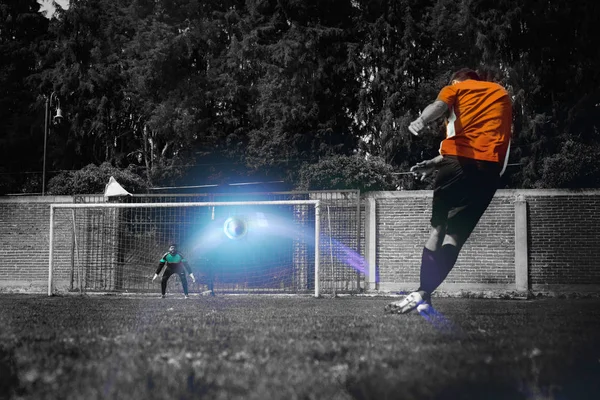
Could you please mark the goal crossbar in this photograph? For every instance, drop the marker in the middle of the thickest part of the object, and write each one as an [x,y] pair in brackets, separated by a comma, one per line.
[315,203]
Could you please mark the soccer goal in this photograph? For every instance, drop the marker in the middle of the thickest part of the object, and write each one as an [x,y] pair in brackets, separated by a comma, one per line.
[235,247]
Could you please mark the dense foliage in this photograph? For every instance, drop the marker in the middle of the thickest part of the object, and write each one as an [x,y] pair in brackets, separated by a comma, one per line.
[93,179]
[342,172]
[193,92]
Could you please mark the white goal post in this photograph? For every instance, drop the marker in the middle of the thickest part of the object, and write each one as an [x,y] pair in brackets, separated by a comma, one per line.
[115,247]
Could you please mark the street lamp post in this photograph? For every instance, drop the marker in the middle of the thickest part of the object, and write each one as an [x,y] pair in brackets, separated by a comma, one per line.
[57,118]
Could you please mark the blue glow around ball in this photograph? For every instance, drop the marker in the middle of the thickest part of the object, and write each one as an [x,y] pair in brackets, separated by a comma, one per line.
[235,228]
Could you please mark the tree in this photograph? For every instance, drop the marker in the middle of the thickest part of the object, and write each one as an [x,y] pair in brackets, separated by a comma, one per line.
[21,110]
[134,78]
[348,172]
[556,90]
[398,73]
[305,97]
[92,179]
[190,91]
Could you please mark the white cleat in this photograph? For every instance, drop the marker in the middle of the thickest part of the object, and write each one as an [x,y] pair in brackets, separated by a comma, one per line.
[406,305]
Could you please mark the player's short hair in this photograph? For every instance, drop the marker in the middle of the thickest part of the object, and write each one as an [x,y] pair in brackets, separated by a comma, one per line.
[463,74]
[173,245]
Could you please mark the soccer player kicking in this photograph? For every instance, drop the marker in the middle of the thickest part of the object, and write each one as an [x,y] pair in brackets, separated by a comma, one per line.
[175,264]
[472,158]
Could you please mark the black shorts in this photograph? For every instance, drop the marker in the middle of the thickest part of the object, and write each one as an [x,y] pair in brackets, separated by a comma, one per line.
[462,191]
[172,269]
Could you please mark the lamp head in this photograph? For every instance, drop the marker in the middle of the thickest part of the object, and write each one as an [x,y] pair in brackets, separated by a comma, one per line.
[58,117]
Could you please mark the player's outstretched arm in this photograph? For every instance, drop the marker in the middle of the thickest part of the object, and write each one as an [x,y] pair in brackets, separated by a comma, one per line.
[425,168]
[189,270]
[435,110]
[160,267]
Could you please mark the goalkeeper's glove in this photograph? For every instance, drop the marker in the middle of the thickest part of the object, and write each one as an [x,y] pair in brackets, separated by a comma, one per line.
[154,277]
[192,276]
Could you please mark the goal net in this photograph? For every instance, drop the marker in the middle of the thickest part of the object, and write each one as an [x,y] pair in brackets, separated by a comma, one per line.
[237,247]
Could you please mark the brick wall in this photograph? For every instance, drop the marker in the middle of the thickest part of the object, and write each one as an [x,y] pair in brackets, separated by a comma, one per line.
[563,228]
[486,261]
[24,233]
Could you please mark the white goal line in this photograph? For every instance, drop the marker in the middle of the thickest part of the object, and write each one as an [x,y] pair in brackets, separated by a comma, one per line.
[315,203]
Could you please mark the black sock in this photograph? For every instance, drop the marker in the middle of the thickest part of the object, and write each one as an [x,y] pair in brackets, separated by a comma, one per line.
[184,283]
[429,272]
[435,267]
[447,256]
[163,287]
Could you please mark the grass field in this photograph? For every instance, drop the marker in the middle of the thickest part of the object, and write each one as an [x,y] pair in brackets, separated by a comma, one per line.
[250,347]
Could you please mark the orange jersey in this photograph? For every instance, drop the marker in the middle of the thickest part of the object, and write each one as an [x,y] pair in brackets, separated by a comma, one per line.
[479,125]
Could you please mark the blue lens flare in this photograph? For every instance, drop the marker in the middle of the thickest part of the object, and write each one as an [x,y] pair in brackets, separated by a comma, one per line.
[248,241]
[440,322]
[268,238]
[345,254]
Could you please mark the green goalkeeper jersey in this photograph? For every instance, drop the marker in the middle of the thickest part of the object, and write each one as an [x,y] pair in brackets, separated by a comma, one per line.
[172,260]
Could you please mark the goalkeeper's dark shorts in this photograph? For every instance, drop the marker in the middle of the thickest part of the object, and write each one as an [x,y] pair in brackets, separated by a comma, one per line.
[462,191]
[177,268]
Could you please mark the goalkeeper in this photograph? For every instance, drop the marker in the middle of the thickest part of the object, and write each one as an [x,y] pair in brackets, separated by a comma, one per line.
[175,264]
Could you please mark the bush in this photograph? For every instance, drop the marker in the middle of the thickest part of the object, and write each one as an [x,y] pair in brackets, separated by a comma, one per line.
[92,180]
[347,172]
[576,166]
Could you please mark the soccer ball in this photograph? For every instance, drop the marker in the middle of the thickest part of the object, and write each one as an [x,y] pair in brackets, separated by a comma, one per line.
[235,227]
